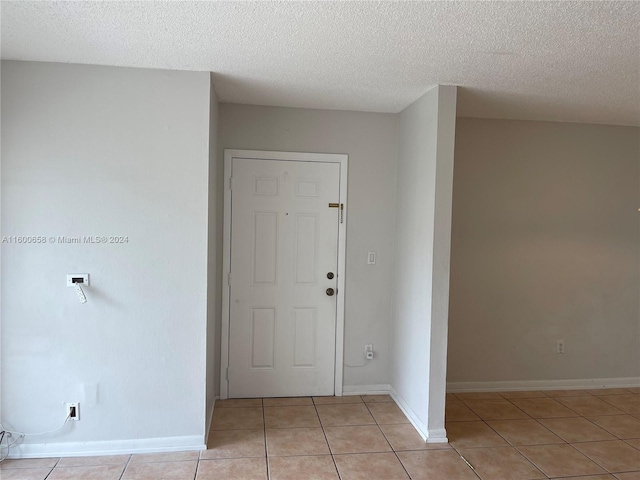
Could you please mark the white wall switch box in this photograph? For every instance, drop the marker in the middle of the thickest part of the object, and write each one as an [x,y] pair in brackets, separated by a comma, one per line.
[371,258]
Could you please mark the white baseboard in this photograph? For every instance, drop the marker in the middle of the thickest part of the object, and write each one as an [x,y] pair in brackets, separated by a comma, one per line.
[520,385]
[111,447]
[376,389]
[433,436]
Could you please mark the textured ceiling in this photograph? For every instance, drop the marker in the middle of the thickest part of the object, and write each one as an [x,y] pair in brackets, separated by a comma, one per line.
[564,61]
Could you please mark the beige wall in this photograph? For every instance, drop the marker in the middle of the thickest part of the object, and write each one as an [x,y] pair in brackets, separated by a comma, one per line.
[370,140]
[545,246]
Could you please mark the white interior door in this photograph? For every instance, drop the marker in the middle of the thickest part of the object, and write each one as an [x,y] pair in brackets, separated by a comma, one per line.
[284,258]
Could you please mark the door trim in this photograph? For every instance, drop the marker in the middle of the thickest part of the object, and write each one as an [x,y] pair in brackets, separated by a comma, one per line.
[343,161]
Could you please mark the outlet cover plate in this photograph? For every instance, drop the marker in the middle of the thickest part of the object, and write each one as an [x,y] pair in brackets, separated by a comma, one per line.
[84,276]
[77,406]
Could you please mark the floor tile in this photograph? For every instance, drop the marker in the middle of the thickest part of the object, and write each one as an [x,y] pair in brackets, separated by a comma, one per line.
[343,415]
[356,439]
[377,399]
[233,469]
[615,456]
[473,434]
[565,393]
[160,471]
[302,467]
[404,436]
[525,394]
[337,400]
[501,463]
[101,472]
[604,432]
[436,464]
[456,411]
[287,401]
[238,402]
[478,396]
[608,391]
[626,476]
[25,474]
[241,418]
[560,460]
[164,457]
[622,426]
[496,409]
[576,429]
[589,406]
[544,407]
[296,441]
[29,463]
[100,460]
[524,432]
[234,444]
[367,466]
[290,417]
[634,442]
[606,476]
[387,413]
[626,403]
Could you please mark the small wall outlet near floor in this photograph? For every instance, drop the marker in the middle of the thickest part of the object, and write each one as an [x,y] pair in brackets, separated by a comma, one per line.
[73,411]
[559,346]
[368,351]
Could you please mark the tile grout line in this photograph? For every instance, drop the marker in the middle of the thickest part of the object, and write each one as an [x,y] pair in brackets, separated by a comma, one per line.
[385,437]
[195,475]
[333,459]
[509,444]
[264,430]
[52,468]
[592,459]
[126,465]
[455,449]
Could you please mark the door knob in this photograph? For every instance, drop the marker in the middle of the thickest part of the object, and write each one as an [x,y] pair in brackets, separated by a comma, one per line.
[330,292]
[330,275]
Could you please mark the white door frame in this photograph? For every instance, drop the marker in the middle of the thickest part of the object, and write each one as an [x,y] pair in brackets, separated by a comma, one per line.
[343,161]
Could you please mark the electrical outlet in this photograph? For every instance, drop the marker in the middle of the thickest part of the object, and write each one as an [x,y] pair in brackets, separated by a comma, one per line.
[73,411]
[368,351]
[559,346]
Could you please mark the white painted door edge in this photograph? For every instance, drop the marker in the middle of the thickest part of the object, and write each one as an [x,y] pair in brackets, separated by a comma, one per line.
[343,161]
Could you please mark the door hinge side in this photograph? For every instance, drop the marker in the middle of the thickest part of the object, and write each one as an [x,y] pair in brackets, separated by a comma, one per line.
[227,374]
[231,182]
[229,278]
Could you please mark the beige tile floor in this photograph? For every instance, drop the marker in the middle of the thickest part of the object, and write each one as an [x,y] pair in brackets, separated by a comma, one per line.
[578,435]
